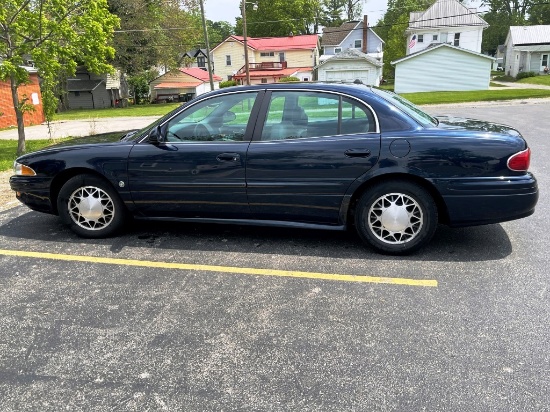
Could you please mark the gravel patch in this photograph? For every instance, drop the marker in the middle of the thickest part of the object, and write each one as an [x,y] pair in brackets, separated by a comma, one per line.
[7,196]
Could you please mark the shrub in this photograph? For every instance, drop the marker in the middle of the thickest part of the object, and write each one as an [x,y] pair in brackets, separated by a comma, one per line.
[228,83]
[524,75]
[288,79]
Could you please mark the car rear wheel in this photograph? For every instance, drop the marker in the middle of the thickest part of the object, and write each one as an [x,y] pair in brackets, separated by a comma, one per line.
[90,206]
[396,217]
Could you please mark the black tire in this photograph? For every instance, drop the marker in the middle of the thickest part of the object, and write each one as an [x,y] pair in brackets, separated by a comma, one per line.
[91,207]
[396,217]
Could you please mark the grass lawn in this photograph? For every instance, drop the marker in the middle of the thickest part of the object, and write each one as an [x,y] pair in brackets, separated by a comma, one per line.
[141,110]
[543,79]
[475,96]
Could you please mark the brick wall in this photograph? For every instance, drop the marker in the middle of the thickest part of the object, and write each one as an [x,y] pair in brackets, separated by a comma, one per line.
[7,113]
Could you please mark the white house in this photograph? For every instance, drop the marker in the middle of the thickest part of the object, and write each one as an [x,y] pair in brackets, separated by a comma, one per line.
[527,49]
[351,65]
[351,35]
[446,21]
[442,67]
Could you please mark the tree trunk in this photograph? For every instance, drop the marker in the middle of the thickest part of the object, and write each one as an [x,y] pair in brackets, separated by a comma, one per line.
[19,116]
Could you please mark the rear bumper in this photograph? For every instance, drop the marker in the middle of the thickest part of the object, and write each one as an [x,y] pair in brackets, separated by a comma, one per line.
[479,201]
[33,192]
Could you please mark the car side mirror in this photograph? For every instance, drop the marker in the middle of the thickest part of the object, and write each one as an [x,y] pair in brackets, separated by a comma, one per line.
[155,136]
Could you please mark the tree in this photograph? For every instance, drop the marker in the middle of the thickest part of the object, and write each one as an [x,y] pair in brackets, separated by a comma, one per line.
[275,18]
[52,33]
[136,42]
[539,14]
[515,9]
[332,11]
[501,16]
[353,9]
[391,28]
[219,31]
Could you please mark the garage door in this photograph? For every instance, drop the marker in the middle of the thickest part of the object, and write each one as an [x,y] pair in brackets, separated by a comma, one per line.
[348,76]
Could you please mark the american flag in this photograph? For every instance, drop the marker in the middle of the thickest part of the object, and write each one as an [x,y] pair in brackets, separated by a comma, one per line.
[412,42]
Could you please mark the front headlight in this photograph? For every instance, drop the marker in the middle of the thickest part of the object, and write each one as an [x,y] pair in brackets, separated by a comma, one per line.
[22,170]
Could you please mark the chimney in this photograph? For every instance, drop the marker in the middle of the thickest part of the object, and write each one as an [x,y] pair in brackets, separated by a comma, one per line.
[365,31]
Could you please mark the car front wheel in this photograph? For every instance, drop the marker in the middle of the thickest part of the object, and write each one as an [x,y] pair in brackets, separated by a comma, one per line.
[90,206]
[396,217]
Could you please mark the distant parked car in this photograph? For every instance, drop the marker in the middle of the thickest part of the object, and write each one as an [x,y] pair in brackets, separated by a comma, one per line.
[323,156]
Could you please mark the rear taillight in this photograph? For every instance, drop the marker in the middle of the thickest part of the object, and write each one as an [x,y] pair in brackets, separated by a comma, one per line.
[520,161]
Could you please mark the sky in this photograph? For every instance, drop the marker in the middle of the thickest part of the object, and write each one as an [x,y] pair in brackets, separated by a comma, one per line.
[228,10]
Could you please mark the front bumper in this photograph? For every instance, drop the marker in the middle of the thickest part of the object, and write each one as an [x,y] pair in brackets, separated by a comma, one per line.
[33,192]
[479,201]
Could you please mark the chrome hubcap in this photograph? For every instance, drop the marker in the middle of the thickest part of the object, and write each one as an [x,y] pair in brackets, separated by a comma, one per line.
[395,218]
[91,208]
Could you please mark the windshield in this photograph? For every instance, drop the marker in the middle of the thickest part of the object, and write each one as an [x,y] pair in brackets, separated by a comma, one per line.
[415,112]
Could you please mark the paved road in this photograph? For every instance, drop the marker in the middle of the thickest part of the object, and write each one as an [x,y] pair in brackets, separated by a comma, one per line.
[77,128]
[100,334]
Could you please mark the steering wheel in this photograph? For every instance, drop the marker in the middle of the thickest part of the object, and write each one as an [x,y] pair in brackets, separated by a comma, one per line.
[202,130]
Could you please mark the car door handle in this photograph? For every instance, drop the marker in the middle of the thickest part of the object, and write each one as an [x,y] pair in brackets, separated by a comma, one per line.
[357,153]
[228,157]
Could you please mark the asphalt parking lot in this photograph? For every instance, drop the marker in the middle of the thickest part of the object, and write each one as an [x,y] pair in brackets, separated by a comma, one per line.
[224,318]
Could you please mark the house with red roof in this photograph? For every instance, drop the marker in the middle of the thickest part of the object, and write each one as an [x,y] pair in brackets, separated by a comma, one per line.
[181,85]
[270,58]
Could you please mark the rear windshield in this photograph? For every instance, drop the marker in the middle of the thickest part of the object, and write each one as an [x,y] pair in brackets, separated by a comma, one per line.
[413,111]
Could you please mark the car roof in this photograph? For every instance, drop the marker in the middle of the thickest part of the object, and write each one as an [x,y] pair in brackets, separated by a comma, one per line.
[349,88]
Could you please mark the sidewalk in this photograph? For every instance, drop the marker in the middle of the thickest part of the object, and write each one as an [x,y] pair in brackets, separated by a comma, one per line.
[77,128]
[513,85]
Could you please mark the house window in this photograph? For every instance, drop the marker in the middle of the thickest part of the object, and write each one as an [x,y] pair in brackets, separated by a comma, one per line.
[281,57]
[201,61]
[267,54]
[337,50]
[358,44]
[228,60]
[264,80]
[457,40]
[420,38]
[434,37]
[306,79]
[77,94]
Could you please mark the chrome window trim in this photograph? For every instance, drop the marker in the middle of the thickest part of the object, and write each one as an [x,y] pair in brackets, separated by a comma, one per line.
[197,102]
[376,122]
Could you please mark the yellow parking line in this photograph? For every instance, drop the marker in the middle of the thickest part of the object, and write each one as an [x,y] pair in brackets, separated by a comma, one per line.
[222,269]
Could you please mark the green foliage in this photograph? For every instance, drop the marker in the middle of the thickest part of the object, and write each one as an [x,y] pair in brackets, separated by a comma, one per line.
[539,14]
[331,12]
[524,75]
[144,41]
[499,25]
[218,31]
[139,85]
[288,79]
[55,34]
[278,18]
[228,83]
[391,28]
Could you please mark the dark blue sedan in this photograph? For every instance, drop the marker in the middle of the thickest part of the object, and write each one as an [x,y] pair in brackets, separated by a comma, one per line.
[321,156]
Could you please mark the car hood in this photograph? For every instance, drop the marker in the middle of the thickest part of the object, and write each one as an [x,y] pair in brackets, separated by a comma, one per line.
[95,139]
[461,123]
